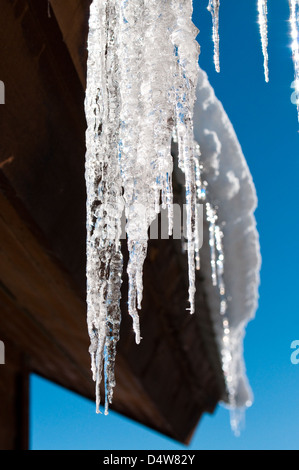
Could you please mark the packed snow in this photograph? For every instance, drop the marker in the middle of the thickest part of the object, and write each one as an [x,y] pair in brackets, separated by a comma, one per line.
[231,190]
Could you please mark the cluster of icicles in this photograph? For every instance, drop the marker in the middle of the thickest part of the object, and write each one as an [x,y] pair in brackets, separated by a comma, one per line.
[136,100]
[294,26]
[262,6]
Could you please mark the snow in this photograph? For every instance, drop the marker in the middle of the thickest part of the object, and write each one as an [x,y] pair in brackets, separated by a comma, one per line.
[231,190]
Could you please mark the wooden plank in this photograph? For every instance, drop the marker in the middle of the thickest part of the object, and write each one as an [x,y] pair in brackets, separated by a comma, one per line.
[42,129]
[49,324]
[14,399]
[72,17]
[42,312]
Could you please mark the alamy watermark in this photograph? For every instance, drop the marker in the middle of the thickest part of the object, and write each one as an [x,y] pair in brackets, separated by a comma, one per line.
[2,353]
[159,228]
[295,353]
[2,93]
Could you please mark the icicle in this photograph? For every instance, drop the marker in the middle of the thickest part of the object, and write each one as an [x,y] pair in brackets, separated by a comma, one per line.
[213,8]
[134,99]
[104,199]
[263,22]
[294,23]
[198,183]
[200,198]
[226,346]
[211,218]
[184,97]
[220,259]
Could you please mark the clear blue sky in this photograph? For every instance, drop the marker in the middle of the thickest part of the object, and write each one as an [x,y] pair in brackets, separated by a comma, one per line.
[265,121]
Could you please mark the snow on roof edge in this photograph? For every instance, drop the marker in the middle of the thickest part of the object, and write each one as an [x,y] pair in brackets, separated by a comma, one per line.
[232,190]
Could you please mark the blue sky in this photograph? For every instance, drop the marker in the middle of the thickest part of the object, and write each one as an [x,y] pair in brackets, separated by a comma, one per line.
[265,121]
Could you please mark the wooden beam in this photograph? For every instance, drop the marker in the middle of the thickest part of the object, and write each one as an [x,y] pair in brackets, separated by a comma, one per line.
[14,399]
[72,17]
[42,312]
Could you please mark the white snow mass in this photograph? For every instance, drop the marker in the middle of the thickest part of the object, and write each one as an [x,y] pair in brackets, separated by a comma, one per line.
[231,189]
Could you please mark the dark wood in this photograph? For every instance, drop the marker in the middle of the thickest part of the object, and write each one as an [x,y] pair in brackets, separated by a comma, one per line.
[43,313]
[174,375]
[14,397]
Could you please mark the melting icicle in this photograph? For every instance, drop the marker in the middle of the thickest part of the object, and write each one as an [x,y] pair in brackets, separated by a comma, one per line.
[104,196]
[217,276]
[211,218]
[134,100]
[226,346]
[213,8]
[263,22]
[220,259]
[199,200]
[294,23]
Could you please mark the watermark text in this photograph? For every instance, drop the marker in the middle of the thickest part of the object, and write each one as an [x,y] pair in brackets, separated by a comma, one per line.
[2,93]
[2,353]
[295,353]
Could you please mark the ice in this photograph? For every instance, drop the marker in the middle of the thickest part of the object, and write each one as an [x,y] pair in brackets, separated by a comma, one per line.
[213,8]
[263,23]
[136,100]
[200,198]
[294,24]
[211,218]
[104,196]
